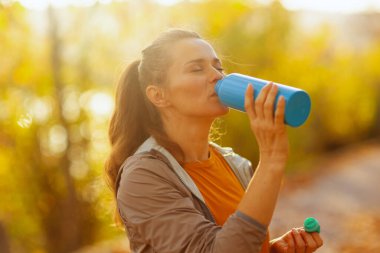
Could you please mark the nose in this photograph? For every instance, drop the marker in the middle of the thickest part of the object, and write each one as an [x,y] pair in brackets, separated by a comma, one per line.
[216,75]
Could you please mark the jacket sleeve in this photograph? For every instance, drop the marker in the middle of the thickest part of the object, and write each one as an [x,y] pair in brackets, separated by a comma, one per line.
[156,211]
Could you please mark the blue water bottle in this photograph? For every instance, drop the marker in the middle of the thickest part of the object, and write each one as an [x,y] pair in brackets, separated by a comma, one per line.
[231,91]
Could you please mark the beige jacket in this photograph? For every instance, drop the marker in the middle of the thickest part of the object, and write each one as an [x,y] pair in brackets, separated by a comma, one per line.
[163,210]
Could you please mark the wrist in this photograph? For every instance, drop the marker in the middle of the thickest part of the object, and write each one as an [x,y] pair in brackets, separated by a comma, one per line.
[272,172]
[273,156]
[273,163]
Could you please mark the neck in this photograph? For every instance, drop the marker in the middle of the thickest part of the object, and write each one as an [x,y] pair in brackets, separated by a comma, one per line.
[191,136]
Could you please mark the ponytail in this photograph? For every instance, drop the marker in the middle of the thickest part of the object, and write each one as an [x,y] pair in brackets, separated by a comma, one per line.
[127,129]
[127,122]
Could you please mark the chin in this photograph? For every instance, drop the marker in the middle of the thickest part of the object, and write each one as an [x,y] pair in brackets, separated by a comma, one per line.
[222,110]
[226,110]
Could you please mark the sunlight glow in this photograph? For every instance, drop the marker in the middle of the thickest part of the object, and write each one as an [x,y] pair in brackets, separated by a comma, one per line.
[101,104]
[168,2]
[79,169]
[25,120]
[57,139]
[43,4]
[344,6]
[71,107]
[41,109]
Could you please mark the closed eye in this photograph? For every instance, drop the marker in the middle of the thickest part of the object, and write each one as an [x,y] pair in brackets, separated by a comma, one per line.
[221,70]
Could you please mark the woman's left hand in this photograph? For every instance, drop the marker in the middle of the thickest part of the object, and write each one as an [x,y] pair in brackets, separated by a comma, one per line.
[296,241]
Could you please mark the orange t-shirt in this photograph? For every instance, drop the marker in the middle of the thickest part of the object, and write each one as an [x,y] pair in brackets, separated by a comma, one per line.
[219,186]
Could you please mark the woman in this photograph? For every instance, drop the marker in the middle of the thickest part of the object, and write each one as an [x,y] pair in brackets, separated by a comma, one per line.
[175,190]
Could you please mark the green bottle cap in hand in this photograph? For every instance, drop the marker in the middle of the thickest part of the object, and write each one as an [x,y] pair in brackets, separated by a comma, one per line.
[311,225]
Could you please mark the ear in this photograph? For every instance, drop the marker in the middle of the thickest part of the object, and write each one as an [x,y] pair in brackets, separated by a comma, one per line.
[156,95]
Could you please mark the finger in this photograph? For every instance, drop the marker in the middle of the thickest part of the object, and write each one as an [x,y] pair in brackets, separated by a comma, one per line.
[290,242]
[311,244]
[317,238]
[280,246]
[279,117]
[261,98]
[269,103]
[299,242]
[249,104]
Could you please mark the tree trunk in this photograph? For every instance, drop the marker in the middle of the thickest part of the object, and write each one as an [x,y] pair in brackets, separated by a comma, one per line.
[4,240]
[65,235]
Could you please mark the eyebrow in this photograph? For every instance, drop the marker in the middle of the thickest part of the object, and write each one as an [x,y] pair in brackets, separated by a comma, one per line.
[215,60]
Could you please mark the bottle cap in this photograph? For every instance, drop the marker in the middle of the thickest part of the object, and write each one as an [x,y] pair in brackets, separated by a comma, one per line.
[311,225]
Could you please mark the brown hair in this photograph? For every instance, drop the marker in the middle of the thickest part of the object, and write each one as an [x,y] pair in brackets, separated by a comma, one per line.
[135,118]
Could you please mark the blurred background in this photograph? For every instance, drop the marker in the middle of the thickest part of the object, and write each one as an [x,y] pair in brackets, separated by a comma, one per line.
[60,60]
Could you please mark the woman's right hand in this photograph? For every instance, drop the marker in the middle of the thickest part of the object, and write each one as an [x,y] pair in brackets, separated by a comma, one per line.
[268,127]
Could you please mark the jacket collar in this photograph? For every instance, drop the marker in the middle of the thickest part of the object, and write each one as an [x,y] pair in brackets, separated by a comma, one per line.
[150,144]
[240,166]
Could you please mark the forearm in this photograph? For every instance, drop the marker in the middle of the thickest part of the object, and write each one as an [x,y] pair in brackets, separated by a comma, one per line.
[261,195]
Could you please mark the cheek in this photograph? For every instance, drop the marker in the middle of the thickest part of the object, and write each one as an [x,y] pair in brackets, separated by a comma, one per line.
[190,87]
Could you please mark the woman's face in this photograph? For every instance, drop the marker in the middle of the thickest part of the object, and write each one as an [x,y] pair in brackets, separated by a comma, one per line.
[191,79]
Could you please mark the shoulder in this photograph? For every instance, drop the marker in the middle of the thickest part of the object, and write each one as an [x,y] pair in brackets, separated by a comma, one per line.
[146,166]
[146,175]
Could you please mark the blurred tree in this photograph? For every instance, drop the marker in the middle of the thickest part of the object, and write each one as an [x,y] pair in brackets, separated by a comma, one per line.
[65,220]
[52,206]
[4,240]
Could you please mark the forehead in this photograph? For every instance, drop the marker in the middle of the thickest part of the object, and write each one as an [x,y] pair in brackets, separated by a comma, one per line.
[188,49]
